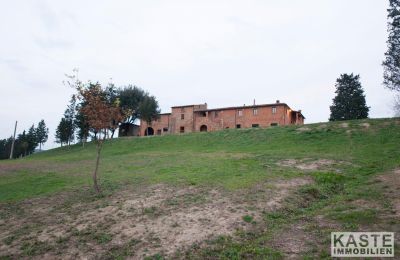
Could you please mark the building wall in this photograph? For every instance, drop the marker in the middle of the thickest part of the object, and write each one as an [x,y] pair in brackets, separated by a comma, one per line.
[245,117]
[159,126]
[182,117]
[187,119]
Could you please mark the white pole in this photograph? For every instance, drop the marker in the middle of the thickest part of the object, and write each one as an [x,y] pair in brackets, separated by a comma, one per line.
[13,141]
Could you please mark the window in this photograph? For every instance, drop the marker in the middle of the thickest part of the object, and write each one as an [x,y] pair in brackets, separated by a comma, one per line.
[255,125]
[203,114]
[165,129]
[182,129]
[238,126]
[255,111]
[274,124]
[240,112]
[182,116]
[273,110]
[216,114]
[158,131]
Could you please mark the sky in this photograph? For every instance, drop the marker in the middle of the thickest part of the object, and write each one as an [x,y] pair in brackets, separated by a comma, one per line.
[223,52]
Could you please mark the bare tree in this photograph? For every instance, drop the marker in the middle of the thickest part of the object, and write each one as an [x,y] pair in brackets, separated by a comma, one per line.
[100,114]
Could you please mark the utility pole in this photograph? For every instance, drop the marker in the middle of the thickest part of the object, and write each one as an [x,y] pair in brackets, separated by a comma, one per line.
[13,141]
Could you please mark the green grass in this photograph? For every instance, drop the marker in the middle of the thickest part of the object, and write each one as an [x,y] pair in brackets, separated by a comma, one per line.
[231,160]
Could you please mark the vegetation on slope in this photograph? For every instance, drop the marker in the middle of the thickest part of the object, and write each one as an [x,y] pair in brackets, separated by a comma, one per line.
[341,163]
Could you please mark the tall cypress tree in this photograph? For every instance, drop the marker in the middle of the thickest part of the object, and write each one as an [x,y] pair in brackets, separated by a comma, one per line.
[391,64]
[349,102]
[42,133]
[32,139]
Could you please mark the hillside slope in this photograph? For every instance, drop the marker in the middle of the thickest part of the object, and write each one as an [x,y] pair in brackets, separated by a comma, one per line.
[164,196]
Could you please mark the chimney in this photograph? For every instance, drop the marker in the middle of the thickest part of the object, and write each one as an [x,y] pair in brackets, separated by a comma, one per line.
[254,102]
[277,101]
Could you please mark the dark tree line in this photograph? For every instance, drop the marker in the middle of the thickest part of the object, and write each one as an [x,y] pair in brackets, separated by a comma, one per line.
[134,102]
[25,142]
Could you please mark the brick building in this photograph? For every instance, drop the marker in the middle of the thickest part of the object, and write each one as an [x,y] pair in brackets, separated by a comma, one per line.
[198,118]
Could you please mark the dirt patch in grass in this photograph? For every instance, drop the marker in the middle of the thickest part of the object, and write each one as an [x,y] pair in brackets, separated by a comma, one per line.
[365,125]
[392,189]
[292,241]
[310,164]
[344,125]
[303,129]
[133,223]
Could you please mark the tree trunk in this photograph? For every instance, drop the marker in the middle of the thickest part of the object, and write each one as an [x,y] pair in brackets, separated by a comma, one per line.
[40,146]
[112,133]
[95,185]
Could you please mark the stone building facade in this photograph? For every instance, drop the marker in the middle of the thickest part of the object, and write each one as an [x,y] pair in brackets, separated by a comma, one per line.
[198,118]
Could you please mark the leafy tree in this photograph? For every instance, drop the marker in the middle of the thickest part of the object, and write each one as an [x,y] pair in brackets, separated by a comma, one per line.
[3,143]
[111,96]
[62,132]
[21,145]
[149,110]
[391,64]
[5,147]
[31,138]
[130,98]
[137,103]
[81,125]
[42,133]
[69,115]
[99,114]
[349,102]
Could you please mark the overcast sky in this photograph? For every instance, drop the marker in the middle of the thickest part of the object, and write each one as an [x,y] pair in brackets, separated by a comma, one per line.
[225,53]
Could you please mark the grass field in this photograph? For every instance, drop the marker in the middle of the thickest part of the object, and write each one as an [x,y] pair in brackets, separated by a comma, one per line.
[235,194]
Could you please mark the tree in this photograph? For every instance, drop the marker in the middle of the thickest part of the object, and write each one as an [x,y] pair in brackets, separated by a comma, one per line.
[81,125]
[391,64]
[31,138]
[349,102]
[149,110]
[62,132]
[99,114]
[5,148]
[21,145]
[111,95]
[138,103]
[69,115]
[42,133]
[130,98]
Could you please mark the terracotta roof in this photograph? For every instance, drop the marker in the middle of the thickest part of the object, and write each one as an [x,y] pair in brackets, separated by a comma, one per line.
[241,107]
[188,106]
[238,107]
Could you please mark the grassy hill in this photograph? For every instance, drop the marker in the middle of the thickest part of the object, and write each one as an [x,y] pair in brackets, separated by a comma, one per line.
[248,193]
